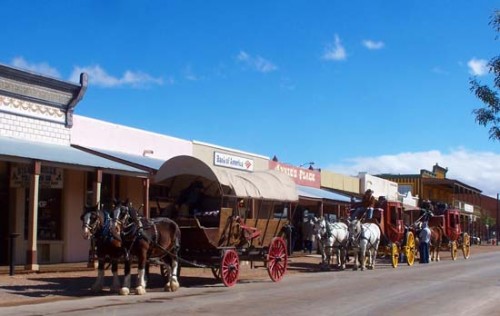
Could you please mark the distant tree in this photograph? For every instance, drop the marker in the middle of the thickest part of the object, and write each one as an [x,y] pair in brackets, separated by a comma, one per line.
[489,114]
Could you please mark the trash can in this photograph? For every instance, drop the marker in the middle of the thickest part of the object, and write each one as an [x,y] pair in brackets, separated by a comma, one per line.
[12,252]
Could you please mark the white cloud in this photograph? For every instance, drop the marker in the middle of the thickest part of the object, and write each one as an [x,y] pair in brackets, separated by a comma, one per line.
[257,63]
[373,45]
[478,67]
[99,77]
[40,68]
[477,169]
[335,51]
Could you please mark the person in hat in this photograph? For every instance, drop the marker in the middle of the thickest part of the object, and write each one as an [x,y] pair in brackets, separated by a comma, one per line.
[191,198]
[366,206]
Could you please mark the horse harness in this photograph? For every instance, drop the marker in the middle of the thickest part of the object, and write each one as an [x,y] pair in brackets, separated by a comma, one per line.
[132,228]
[360,236]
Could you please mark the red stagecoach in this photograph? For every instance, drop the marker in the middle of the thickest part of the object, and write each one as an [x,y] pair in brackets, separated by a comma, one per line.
[395,239]
[449,221]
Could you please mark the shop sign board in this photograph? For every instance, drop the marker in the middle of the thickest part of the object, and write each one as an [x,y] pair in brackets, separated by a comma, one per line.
[301,176]
[50,177]
[233,162]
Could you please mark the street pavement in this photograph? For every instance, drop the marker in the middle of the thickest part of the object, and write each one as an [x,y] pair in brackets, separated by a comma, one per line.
[73,281]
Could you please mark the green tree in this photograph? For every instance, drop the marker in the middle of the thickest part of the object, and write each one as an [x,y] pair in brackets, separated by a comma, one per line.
[489,114]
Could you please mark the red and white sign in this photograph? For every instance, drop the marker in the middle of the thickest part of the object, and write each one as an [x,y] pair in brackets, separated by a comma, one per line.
[302,176]
[234,162]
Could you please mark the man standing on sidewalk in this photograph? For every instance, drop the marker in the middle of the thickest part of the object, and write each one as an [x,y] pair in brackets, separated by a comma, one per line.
[425,239]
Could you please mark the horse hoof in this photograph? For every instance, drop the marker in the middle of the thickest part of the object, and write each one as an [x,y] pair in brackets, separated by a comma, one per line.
[124,291]
[140,290]
[172,287]
[96,288]
[362,269]
[370,268]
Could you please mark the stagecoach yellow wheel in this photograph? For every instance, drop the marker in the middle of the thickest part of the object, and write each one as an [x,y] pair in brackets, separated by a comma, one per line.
[454,250]
[410,248]
[466,246]
[394,255]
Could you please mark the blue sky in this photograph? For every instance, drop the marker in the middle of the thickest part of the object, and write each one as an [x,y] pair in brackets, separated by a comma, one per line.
[376,86]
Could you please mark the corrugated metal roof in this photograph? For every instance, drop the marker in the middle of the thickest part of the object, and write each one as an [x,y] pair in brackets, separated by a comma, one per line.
[63,154]
[129,159]
[315,193]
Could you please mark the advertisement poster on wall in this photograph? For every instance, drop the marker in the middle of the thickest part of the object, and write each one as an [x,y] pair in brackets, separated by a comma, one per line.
[50,177]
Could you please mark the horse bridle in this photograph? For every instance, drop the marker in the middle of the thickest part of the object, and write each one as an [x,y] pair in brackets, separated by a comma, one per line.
[117,213]
[356,237]
[91,227]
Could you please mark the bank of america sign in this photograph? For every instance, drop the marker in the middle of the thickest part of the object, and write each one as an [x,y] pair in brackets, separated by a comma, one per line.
[234,162]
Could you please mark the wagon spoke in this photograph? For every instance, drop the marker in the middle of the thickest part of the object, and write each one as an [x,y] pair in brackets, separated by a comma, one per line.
[277,259]
[230,267]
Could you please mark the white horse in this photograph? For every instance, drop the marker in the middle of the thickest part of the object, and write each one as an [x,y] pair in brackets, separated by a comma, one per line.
[364,237]
[331,237]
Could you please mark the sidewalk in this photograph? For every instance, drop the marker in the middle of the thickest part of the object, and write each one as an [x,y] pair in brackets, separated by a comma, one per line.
[48,268]
[73,280]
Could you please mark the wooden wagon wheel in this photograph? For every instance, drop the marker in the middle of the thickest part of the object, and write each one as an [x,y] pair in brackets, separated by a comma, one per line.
[410,248]
[453,249]
[229,267]
[394,254]
[277,259]
[466,245]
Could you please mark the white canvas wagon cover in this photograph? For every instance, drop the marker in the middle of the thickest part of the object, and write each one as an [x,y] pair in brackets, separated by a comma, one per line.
[268,184]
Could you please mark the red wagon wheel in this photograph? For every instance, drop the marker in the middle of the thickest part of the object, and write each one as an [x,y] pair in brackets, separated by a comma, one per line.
[229,267]
[466,245]
[454,250]
[277,259]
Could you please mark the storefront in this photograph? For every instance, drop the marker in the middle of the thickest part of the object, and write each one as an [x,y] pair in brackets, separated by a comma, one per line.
[313,200]
[46,187]
[44,182]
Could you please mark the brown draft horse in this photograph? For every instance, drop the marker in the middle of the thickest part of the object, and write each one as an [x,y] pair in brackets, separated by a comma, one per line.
[437,234]
[158,242]
[96,225]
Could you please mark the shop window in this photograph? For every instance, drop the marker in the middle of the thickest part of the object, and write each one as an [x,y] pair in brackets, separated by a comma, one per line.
[49,214]
[405,188]
[110,188]
[158,192]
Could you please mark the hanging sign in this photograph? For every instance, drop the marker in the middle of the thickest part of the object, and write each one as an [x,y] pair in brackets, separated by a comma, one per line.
[50,177]
[302,176]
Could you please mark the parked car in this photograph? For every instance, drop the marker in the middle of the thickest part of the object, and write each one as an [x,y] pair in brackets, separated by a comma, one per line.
[475,240]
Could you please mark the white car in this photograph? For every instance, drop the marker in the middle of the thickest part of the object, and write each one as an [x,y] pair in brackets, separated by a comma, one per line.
[475,240]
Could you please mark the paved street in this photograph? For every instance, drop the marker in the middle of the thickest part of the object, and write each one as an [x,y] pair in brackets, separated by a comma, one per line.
[461,287]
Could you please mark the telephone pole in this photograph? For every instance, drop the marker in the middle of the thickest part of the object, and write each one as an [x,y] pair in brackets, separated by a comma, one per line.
[498,210]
